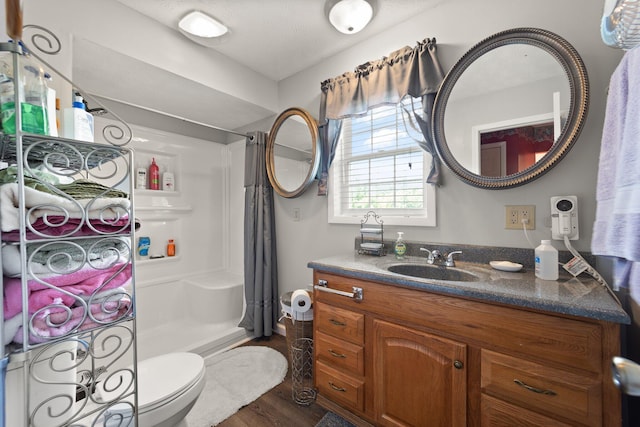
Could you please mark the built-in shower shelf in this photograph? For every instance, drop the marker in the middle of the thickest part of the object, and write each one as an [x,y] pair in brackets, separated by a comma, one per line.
[183,208]
[157,193]
[149,261]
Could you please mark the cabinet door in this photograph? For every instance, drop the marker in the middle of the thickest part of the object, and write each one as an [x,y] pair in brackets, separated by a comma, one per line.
[419,379]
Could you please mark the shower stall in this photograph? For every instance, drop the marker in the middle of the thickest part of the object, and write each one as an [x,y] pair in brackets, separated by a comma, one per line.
[192,297]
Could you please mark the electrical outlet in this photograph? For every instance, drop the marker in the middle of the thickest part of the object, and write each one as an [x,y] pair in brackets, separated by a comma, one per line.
[516,214]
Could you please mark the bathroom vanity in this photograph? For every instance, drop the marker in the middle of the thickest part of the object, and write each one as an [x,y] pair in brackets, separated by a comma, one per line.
[502,349]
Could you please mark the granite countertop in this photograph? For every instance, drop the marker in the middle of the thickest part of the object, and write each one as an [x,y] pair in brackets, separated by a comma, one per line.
[581,296]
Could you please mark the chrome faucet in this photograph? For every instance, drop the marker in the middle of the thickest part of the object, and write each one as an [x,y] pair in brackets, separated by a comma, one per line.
[436,257]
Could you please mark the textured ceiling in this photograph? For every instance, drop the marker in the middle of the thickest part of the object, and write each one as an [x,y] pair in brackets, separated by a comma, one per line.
[279,38]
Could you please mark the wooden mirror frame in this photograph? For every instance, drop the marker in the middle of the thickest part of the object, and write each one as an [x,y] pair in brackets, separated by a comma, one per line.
[312,125]
[576,73]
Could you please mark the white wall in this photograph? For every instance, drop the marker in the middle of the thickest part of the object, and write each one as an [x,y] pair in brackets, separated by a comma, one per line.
[465,214]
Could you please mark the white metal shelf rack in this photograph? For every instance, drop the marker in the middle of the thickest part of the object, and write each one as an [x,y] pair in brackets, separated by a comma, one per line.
[68,302]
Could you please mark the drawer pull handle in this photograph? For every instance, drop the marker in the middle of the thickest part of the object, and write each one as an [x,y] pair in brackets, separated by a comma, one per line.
[334,354]
[458,364]
[534,389]
[336,388]
[356,293]
[337,322]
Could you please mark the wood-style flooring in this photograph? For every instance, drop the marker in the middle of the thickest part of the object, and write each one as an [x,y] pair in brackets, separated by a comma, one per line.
[276,407]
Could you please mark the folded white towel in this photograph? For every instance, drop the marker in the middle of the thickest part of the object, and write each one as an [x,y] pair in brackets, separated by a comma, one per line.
[40,204]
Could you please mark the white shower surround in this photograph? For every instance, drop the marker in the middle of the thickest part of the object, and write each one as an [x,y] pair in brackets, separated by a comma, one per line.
[193,301]
[198,313]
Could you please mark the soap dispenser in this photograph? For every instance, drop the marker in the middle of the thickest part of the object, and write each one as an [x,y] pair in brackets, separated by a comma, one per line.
[400,248]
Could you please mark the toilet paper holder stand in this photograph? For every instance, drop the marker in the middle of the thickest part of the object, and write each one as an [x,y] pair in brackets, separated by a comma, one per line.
[357,294]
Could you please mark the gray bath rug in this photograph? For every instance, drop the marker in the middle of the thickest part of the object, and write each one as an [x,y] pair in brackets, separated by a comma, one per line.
[236,378]
[333,420]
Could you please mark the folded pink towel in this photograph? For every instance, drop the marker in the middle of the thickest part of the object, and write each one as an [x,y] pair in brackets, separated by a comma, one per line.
[58,322]
[59,226]
[64,289]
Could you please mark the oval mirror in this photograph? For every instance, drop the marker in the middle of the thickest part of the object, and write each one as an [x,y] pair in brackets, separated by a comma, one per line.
[293,153]
[510,108]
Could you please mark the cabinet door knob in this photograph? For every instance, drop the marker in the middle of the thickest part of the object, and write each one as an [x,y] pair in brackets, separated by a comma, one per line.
[458,364]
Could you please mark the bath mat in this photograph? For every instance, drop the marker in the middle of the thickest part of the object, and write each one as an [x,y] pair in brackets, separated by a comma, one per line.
[333,420]
[236,378]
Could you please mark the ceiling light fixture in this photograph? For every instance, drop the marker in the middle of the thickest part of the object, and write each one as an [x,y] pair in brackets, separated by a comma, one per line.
[350,16]
[202,25]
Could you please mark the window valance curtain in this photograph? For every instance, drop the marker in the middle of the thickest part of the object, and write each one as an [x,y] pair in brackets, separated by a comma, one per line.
[408,71]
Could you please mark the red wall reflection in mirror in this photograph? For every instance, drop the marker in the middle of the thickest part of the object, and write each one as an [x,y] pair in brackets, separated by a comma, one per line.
[524,145]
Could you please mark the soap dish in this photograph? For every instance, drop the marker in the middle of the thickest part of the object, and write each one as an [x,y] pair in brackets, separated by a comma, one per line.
[505,265]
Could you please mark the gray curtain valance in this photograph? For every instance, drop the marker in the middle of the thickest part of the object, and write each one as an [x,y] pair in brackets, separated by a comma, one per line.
[408,71]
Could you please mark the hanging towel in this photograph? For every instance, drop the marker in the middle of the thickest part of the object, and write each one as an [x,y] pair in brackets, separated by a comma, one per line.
[616,231]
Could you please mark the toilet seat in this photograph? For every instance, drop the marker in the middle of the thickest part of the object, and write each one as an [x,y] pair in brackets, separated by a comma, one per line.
[164,378]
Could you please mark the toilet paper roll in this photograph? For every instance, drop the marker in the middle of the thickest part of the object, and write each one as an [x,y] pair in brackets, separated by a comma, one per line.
[300,301]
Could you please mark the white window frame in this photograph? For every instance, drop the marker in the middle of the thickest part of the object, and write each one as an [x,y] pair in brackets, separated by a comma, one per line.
[425,217]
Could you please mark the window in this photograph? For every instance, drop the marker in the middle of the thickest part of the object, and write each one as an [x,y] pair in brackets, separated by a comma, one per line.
[379,166]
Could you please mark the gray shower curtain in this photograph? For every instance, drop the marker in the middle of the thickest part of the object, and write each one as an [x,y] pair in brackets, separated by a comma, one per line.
[260,262]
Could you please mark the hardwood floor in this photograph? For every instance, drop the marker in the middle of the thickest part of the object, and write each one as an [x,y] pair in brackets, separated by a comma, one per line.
[276,407]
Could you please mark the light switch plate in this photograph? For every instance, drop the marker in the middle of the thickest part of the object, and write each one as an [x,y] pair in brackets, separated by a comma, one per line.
[514,214]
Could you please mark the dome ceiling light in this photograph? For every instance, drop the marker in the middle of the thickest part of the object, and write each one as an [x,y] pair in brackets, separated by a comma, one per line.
[202,25]
[350,16]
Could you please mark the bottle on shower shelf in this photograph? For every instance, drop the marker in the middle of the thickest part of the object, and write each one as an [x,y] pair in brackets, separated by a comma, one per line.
[171,248]
[154,175]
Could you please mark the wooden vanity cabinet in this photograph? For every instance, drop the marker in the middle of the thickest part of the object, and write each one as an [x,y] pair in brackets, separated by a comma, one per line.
[407,357]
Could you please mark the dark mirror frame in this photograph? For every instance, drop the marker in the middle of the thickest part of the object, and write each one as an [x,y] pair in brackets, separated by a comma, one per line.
[576,73]
[314,164]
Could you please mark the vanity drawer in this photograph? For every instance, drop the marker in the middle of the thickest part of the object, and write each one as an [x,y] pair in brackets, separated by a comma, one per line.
[339,387]
[339,353]
[496,413]
[550,391]
[340,323]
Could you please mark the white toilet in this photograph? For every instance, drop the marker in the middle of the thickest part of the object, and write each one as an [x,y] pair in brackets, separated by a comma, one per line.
[168,387]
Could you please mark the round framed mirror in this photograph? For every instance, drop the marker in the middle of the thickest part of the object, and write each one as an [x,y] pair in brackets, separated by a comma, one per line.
[293,152]
[511,108]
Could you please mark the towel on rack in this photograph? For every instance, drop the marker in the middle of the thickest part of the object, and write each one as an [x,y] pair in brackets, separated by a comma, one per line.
[40,204]
[62,289]
[617,225]
[13,325]
[59,226]
[57,257]
[56,323]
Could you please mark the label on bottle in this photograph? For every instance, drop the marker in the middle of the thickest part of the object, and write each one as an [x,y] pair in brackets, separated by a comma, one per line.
[400,249]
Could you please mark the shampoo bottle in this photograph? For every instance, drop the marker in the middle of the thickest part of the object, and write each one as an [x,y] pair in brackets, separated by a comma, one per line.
[171,248]
[400,248]
[168,181]
[78,123]
[154,175]
[546,259]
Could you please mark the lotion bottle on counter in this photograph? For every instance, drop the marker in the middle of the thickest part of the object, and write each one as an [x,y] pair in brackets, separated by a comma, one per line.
[400,248]
[546,259]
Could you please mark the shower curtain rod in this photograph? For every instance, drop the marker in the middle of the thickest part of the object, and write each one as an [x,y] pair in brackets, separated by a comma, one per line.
[172,116]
